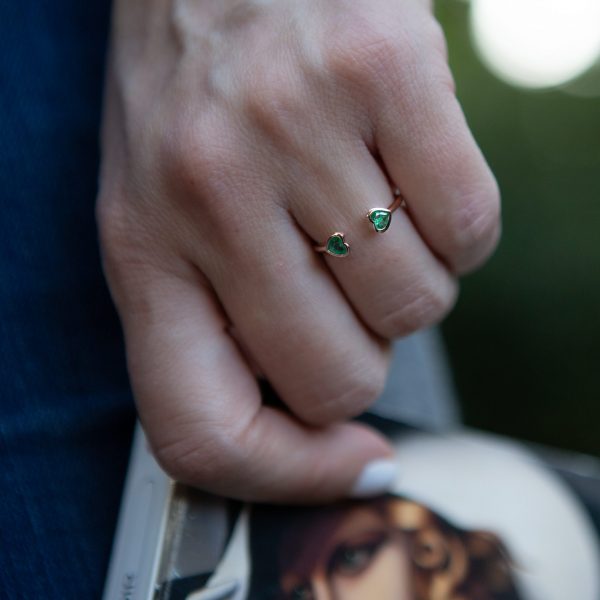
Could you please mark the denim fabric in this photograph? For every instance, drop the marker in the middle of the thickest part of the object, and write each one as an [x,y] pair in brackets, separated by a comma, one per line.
[65,407]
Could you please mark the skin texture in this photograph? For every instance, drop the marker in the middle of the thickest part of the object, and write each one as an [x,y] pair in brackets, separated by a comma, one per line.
[237,134]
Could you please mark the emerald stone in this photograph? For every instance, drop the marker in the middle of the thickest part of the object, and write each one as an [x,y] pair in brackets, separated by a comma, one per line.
[380,217]
[336,246]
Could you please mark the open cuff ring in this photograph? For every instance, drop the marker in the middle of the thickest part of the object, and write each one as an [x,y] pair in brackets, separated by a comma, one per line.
[380,218]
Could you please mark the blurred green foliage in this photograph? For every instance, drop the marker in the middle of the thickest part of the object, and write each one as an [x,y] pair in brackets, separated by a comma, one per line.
[524,340]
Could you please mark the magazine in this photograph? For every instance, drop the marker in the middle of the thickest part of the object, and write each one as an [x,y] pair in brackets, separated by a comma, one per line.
[471,517]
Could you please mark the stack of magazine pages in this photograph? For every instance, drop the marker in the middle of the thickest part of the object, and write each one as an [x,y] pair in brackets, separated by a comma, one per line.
[471,517]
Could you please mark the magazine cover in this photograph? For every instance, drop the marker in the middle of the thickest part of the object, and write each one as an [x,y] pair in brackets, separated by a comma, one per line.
[470,517]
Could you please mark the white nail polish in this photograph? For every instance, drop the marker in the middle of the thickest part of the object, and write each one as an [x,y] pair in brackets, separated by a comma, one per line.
[376,478]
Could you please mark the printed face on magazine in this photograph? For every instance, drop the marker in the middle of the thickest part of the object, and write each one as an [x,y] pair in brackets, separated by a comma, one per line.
[362,558]
[390,548]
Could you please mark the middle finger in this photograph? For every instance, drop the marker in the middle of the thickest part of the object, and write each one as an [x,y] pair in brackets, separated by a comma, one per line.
[393,280]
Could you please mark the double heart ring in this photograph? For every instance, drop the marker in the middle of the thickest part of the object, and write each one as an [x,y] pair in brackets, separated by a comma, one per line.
[380,218]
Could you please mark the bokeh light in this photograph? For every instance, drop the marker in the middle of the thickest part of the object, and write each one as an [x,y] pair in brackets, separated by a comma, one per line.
[537,43]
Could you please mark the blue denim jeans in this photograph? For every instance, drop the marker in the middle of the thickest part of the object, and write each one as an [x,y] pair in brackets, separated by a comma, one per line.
[66,412]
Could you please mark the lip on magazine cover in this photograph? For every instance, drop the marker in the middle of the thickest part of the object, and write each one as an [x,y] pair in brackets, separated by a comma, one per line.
[470,515]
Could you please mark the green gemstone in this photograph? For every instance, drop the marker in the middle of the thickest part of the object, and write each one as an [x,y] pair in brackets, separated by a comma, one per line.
[380,218]
[336,245]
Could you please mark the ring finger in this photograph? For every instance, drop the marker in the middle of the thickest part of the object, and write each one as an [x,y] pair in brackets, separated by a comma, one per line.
[392,279]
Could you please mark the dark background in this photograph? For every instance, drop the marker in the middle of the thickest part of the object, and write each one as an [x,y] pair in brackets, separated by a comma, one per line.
[524,337]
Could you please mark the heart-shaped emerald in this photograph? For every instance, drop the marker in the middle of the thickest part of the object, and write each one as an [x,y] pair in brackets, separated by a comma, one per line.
[381,219]
[336,246]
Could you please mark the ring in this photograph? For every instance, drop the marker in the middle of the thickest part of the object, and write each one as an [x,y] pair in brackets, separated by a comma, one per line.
[382,217]
[335,246]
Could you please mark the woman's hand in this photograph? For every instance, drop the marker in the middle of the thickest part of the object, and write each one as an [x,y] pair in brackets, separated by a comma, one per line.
[237,135]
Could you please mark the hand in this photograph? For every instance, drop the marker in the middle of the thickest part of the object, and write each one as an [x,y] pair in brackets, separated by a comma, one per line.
[238,134]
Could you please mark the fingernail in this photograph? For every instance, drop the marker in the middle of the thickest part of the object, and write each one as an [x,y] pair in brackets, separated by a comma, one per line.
[376,478]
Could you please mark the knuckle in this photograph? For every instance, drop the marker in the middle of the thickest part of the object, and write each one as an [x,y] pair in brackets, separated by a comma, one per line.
[274,105]
[475,229]
[381,57]
[422,307]
[205,172]
[196,458]
[109,218]
[350,394]
[372,55]
[270,95]
[434,35]
[184,461]
[113,219]
[195,158]
[130,252]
